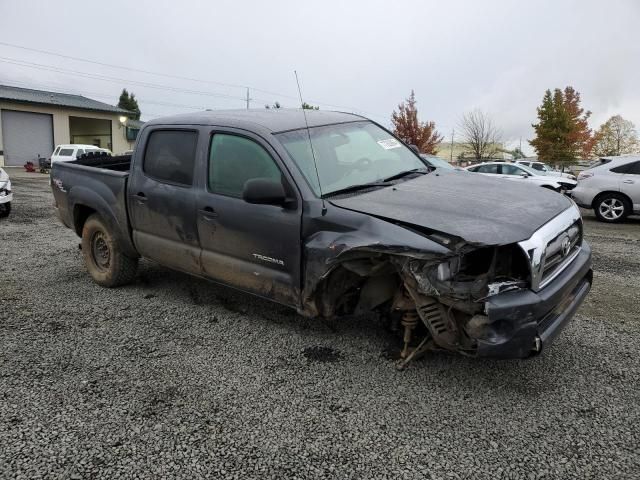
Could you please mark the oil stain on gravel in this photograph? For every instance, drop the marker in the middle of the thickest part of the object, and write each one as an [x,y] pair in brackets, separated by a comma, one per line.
[321,354]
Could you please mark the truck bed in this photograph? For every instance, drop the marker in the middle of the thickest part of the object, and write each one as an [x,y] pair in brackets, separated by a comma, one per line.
[94,184]
[120,163]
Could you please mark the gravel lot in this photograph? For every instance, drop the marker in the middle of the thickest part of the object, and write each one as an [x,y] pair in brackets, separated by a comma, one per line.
[176,377]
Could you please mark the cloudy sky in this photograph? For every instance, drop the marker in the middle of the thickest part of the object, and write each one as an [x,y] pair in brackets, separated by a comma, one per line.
[362,56]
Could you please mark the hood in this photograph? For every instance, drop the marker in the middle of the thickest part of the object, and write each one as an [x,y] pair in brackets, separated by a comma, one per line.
[476,208]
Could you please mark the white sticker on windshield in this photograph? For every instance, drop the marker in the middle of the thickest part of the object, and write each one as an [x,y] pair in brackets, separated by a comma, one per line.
[389,143]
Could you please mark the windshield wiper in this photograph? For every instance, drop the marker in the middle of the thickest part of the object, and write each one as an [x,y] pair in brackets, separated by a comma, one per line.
[355,188]
[407,172]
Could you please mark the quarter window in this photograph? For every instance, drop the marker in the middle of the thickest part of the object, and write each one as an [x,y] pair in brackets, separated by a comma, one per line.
[233,160]
[170,156]
[65,152]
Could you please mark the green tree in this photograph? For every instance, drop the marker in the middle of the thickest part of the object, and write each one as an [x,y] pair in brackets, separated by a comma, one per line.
[616,136]
[308,106]
[562,131]
[129,102]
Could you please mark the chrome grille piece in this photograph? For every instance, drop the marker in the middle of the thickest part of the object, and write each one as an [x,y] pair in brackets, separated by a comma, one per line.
[553,247]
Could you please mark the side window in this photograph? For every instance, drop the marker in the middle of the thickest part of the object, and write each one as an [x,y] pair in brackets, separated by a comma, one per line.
[491,168]
[622,168]
[539,166]
[80,152]
[233,160]
[511,170]
[170,156]
[65,152]
[629,168]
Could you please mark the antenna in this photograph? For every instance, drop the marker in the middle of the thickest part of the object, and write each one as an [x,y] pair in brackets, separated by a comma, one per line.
[313,154]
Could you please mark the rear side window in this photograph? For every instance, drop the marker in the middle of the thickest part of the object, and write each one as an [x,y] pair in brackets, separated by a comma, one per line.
[629,168]
[233,160]
[65,152]
[170,156]
[487,169]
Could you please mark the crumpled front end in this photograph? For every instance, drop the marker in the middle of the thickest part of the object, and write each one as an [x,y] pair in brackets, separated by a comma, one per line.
[503,301]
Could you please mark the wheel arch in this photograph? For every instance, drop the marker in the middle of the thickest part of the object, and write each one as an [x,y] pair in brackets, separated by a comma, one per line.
[597,198]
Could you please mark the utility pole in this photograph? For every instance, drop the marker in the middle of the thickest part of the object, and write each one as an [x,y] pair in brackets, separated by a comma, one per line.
[453,132]
[248,99]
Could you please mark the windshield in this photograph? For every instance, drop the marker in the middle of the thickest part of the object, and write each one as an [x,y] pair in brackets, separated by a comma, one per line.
[438,162]
[348,154]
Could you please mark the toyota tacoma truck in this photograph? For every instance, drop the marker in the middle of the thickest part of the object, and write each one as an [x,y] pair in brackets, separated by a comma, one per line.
[332,215]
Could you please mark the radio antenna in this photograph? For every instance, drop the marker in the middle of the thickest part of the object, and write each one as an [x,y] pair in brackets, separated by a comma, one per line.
[313,154]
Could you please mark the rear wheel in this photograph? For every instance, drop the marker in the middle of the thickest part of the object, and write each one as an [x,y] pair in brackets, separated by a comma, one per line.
[5,209]
[611,207]
[104,259]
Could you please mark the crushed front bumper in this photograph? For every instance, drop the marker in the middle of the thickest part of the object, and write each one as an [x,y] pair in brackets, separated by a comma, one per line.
[521,323]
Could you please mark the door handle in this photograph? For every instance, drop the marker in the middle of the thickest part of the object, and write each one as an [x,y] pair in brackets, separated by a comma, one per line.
[208,214]
[628,181]
[140,197]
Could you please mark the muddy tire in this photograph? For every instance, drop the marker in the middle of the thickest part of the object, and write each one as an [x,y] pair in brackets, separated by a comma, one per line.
[5,209]
[611,207]
[103,257]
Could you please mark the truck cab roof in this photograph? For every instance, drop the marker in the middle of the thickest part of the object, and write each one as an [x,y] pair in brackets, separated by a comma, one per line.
[272,120]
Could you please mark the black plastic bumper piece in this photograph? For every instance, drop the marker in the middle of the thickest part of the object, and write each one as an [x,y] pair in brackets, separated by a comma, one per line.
[522,322]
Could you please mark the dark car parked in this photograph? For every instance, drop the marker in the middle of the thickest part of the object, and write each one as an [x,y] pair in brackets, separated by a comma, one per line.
[335,219]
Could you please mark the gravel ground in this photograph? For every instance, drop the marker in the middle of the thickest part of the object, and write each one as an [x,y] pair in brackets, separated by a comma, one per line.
[176,377]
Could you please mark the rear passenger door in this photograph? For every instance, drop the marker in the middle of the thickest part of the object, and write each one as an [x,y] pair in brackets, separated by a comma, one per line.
[161,198]
[252,247]
[630,183]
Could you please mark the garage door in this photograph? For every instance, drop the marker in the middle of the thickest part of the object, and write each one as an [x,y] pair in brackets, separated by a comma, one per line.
[26,135]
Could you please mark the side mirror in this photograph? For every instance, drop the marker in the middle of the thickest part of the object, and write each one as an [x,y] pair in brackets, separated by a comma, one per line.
[415,149]
[264,191]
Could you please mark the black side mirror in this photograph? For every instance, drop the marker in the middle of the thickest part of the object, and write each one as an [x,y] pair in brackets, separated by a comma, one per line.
[264,191]
[415,149]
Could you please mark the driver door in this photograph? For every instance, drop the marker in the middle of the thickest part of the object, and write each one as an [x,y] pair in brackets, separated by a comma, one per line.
[255,248]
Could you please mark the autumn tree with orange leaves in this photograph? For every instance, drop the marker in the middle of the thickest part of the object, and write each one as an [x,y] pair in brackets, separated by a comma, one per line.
[410,130]
[562,132]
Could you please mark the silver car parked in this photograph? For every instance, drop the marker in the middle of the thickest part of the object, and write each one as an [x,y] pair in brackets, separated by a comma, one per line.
[611,188]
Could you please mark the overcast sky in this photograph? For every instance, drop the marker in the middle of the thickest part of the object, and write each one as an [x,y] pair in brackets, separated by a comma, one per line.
[362,56]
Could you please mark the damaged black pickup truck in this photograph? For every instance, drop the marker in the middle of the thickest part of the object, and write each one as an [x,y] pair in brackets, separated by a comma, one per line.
[453,260]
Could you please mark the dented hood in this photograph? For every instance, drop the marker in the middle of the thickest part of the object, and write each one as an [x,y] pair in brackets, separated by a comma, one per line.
[474,207]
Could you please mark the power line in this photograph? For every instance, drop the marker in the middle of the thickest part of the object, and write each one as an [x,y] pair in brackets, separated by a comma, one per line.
[179,77]
[105,78]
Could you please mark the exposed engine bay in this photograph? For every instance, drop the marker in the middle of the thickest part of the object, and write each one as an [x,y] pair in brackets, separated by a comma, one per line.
[432,302]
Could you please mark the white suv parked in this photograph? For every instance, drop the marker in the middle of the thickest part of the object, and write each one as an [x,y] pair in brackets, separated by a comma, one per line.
[66,153]
[517,172]
[611,188]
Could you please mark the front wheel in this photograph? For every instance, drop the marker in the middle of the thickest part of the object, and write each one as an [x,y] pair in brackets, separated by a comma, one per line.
[105,261]
[611,208]
[5,209]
